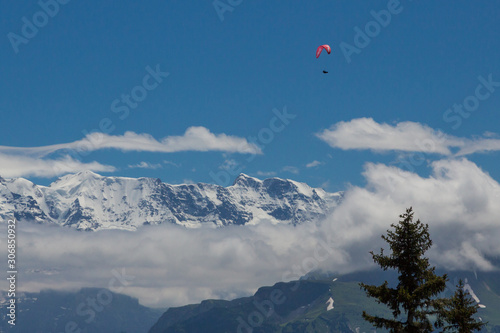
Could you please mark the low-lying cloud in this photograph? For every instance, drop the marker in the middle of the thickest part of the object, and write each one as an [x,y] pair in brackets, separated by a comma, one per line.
[172,265]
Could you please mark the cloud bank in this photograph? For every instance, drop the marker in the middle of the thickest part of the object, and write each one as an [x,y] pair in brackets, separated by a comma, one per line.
[172,265]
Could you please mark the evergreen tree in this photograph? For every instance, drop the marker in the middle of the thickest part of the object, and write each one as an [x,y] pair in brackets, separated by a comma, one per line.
[458,312]
[413,299]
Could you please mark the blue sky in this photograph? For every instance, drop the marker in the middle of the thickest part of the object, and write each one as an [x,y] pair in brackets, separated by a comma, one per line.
[228,71]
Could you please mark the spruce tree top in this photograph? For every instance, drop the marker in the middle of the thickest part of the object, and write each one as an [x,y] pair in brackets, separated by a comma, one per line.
[413,298]
[458,312]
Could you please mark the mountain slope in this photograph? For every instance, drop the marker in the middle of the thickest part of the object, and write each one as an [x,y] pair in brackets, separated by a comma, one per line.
[88,310]
[284,307]
[88,201]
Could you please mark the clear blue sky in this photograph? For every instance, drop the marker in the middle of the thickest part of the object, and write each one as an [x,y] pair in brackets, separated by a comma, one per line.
[228,75]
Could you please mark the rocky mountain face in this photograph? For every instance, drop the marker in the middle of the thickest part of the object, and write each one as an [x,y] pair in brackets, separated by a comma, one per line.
[88,201]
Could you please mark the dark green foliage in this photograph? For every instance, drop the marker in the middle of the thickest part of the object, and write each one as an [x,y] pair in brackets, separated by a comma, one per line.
[458,312]
[412,301]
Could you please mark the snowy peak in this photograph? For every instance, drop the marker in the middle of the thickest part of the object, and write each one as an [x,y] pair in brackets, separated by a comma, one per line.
[247,181]
[76,179]
[88,201]
[87,174]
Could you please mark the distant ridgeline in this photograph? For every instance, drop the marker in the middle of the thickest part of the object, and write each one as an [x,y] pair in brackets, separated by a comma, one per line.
[88,201]
[319,303]
[88,310]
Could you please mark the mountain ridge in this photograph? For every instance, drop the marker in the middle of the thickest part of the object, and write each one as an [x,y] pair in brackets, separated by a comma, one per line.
[91,309]
[89,201]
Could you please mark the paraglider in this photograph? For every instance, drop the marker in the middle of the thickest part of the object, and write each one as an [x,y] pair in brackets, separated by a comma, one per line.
[320,49]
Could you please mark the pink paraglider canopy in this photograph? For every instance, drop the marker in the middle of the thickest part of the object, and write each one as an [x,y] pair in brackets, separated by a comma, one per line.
[321,48]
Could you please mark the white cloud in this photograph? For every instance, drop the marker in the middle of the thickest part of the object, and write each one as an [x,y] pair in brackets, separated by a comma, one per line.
[266,173]
[171,163]
[365,133]
[145,165]
[291,169]
[172,265]
[479,145]
[196,138]
[228,164]
[199,138]
[12,166]
[459,201]
[325,185]
[313,164]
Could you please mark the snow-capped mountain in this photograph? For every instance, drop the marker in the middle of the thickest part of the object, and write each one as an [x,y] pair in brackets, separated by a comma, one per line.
[88,201]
